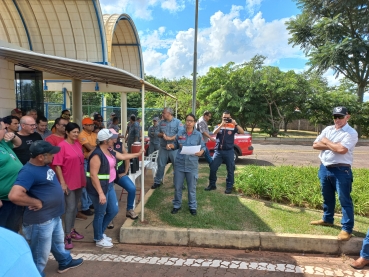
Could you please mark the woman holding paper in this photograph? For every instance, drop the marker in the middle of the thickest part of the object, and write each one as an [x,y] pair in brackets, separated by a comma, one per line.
[186,165]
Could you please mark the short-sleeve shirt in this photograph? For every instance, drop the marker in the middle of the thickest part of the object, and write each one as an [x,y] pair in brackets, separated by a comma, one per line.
[41,183]
[71,161]
[153,134]
[347,136]
[22,151]
[84,138]
[54,139]
[9,168]
[225,137]
[202,126]
[169,128]
[134,131]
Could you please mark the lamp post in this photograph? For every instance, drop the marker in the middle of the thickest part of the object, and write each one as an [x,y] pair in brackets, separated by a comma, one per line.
[195,60]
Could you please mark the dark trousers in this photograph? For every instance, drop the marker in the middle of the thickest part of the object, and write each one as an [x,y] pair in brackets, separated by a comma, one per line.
[11,216]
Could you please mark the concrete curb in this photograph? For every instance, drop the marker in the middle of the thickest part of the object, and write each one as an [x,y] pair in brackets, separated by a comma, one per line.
[239,240]
[297,141]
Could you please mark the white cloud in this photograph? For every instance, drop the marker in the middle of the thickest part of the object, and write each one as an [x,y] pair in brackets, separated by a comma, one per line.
[229,38]
[140,8]
[253,5]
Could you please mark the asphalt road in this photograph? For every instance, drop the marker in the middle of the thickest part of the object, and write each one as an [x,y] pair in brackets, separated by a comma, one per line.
[283,154]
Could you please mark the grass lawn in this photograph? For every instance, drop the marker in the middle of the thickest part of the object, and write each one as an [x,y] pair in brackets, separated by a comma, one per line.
[217,210]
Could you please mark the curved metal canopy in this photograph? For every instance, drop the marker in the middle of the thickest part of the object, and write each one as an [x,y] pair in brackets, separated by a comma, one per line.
[75,69]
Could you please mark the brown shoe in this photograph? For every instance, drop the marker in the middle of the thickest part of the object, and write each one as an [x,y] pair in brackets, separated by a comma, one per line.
[359,263]
[81,216]
[320,222]
[343,235]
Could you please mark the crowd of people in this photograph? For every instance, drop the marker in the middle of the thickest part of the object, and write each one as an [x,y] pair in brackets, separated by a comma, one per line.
[71,170]
[46,174]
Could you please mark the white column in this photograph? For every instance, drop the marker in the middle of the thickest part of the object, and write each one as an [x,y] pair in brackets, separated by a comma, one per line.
[7,88]
[123,112]
[77,101]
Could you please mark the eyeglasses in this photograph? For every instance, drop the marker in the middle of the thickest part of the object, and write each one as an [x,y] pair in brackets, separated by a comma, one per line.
[339,116]
[32,125]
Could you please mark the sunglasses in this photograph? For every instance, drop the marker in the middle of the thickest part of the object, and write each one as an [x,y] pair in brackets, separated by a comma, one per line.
[339,116]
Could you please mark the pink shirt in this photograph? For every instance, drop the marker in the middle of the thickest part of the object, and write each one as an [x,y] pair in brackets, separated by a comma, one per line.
[70,158]
[113,172]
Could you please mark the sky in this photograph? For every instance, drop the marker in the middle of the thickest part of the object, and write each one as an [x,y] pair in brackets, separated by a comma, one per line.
[229,30]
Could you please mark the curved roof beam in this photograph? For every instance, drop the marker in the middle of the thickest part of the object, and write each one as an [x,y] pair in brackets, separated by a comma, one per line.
[124,48]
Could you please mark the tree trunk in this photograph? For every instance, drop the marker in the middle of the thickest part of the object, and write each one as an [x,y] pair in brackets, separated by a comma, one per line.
[360,96]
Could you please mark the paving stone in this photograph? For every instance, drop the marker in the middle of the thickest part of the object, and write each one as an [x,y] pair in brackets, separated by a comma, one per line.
[244,265]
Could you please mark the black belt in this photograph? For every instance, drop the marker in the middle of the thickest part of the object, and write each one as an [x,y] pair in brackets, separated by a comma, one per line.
[339,165]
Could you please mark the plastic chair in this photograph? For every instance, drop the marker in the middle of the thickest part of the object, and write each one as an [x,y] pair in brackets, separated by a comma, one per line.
[150,162]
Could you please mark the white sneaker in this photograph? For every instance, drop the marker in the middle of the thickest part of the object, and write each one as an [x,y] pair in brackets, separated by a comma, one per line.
[104,243]
[107,238]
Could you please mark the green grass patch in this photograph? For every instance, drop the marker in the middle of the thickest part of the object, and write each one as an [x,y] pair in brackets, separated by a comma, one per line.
[250,211]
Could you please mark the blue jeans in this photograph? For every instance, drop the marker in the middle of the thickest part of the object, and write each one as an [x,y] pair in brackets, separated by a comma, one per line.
[85,199]
[338,179]
[104,213]
[191,179]
[46,237]
[364,253]
[126,183]
[220,156]
[11,216]
[207,156]
[162,162]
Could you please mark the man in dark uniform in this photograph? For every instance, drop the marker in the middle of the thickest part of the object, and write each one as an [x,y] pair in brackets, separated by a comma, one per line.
[224,151]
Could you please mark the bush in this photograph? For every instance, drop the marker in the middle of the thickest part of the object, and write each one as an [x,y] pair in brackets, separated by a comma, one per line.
[297,186]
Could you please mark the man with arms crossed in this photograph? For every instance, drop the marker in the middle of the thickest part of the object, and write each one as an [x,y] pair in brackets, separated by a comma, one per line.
[37,188]
[336,144]
[169,127]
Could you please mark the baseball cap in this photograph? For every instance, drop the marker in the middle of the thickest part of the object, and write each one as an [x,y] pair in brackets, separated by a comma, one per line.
[16,110]
[155,119]
[39,147]
[113,113]
[340,111]
[105,134]
[113,131]
[87,121]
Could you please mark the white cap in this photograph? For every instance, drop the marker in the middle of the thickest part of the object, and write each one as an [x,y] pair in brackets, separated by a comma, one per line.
[105,134]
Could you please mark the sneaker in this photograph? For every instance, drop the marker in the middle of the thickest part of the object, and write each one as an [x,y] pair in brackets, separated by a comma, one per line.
[131,214]
[68,242]
[87,212]
[320,222]
[75,235]
[107,238]
[73,263]
[111,225]
[92,207]
[104,243]
[81,216]
[228,191]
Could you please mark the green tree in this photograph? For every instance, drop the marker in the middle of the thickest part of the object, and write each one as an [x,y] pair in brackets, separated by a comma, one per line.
[334,35]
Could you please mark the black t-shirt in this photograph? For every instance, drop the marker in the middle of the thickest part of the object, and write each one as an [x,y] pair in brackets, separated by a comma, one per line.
[22,151]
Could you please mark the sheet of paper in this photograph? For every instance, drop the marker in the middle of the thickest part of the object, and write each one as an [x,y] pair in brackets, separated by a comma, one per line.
[190,150]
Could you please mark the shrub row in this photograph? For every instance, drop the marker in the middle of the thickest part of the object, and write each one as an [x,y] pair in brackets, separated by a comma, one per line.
[297,186]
